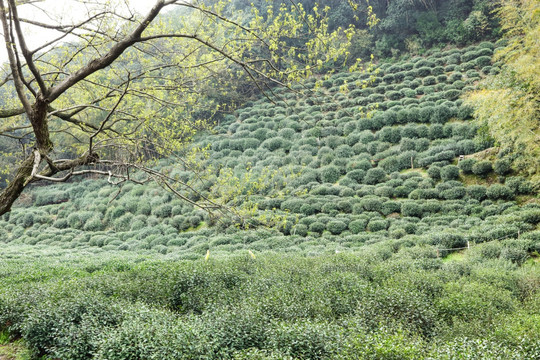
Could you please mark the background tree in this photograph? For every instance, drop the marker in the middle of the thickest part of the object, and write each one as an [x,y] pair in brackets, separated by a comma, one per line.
[117,90]
[508,105]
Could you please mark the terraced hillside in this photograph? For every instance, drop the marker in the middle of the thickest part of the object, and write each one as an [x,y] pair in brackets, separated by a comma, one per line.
[350,160]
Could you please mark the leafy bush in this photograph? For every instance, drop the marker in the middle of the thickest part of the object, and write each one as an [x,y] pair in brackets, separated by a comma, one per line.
[162,211]
[300,229]
[482,168]
[358,226]
[94,224]
[477,192]
[371,203]
[466,165]
[293,205]
[442,114]
[429,80]
[306,339]
[377,225]
[51,197]
[317,227]
[70,328]
[498,191]
[330,208]
[273,144]
[411,208]
[357,175]
[144,208]
[390,207]
[374,176]
[456,76]
[330,174]
[449,172]
[449,240]
[390,164]
[515,255]
[384,191]
[452,94]
[423,71]
[434,172]
[336,227]
[502,166]
[519,185]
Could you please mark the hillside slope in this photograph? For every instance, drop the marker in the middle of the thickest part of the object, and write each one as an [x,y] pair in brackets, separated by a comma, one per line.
[360,158]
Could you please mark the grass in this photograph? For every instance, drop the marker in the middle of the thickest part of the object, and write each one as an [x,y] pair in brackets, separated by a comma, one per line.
[418,170]
[455,256]
[471,179]
[13,350]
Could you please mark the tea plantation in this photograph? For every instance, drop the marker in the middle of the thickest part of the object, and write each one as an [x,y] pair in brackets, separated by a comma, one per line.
[379,225]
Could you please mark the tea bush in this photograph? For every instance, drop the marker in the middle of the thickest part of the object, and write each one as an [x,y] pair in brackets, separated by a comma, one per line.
[482,168]
[449,172]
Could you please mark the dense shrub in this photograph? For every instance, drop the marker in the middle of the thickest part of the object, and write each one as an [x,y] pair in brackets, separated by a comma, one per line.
[336,227]
[358,226]
[293,205]
[94,224]
[442,114]
[452,94]
[434,172]
[456,76]
[371,203]
[423,71]
[477,192]
[482,168]
[435,131]
[449,240]
[515,255]
[498,191]
[451,190]
[51,197]
[330,174]
[411,208]
[377,225]
[389,134]
[374,176]
[390,207]
[519,185]
[482,61]
[502,166]
[162,211]
[390,164]
[344,151]
[330,208]
[357,175]
[273,144]
[449,172]
[317,227]
[300,229]
[384,191]
[429,80]
[466,165]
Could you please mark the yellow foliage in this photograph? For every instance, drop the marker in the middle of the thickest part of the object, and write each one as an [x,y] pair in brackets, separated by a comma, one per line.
[509,103]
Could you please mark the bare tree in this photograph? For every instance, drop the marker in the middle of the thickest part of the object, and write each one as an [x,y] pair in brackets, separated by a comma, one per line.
[118,89]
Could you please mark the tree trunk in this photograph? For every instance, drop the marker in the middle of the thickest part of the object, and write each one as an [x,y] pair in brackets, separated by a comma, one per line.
[38,119]
[17,185]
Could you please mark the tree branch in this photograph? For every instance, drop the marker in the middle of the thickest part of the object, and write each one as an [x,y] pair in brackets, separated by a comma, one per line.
[17,76]
[110,56]
[26,53]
